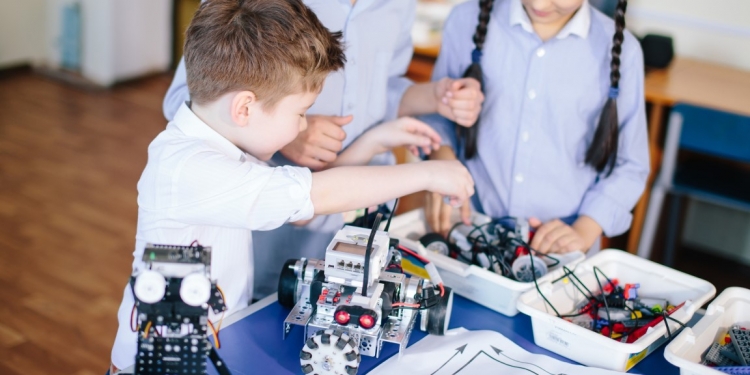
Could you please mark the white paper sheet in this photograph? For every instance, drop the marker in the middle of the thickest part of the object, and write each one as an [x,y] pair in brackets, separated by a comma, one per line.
[465,352]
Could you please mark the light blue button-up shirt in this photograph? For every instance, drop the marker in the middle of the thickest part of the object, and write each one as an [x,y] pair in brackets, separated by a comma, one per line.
[542,106]
[378,47]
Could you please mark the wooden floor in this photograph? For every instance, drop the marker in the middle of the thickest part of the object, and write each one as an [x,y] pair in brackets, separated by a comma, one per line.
[69,162]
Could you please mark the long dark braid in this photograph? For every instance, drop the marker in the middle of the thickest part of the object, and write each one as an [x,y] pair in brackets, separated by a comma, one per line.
[602,153]
[468,136]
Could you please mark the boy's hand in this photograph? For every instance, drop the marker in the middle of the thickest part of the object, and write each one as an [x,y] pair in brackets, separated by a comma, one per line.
[459,100]
[405,131]
[320,143]
[437,212]
[557,237]
[448,178]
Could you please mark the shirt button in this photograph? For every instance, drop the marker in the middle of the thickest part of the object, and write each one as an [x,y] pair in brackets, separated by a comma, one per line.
[532,94]
[540,52]
[525,136]
[350,106]
[519,178]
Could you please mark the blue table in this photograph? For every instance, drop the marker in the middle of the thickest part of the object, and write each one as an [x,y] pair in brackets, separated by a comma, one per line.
[254,345]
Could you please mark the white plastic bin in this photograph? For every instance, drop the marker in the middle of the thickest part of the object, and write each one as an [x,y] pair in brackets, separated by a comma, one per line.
[593,349]
[731,307]
[484,287]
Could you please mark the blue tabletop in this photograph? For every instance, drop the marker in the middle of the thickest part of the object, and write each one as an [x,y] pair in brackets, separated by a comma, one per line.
[254,344]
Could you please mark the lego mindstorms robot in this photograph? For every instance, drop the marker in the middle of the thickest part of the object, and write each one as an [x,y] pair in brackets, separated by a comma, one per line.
[172,297]
[358,298]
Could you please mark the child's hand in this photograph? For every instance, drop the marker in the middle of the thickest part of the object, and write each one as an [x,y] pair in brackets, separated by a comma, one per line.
[438,213]
[557,237]
[449,178]
[405,131]
[459,100]
[318,145]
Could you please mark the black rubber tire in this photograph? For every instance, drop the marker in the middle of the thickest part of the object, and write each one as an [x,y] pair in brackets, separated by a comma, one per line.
[439,316]
[435,238]
[287,292]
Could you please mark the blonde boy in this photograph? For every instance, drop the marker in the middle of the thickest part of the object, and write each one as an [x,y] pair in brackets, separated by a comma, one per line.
[253,69]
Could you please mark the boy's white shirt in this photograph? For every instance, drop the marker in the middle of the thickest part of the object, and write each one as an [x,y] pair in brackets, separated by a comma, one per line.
[197,185]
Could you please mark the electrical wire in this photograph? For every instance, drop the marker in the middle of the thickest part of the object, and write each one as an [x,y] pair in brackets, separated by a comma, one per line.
[421,259]
[391,215]
[368,252]
[536,285]
[215,334]
[413,254]
[404,304]
[666,316]
[400,269]
[604,298]
[569,273]
[221,320]
[146,329]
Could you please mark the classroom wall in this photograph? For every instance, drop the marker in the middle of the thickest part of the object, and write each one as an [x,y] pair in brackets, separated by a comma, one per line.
[711,30]
[22,30]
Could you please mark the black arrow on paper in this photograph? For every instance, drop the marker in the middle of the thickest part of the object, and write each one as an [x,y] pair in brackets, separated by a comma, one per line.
[494,359]
[500,352]
[459,350]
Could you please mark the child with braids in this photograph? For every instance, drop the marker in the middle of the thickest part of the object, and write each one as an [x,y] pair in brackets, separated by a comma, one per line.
[561,138]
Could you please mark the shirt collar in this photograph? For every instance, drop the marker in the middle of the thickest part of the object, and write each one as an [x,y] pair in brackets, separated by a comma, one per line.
[191,125]
[579,24]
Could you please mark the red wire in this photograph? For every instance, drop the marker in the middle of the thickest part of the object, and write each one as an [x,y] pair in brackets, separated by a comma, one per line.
[412,253]
[442,289]
[195,242]
[396,266]
[399,304]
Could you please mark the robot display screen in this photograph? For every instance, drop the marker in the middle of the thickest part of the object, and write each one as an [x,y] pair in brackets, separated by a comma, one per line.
[350,248]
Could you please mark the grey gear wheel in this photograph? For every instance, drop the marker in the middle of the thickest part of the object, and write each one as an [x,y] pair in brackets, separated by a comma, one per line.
[330,352]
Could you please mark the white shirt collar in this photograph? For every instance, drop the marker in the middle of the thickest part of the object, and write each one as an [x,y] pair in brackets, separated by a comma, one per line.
[191,125]
[579,24]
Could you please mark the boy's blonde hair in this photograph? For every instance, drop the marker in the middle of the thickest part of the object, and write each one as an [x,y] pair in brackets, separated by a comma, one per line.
[273,48]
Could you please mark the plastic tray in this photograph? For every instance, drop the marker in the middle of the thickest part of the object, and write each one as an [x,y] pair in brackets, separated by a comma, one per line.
[477,284]
[591,348]
[731,307]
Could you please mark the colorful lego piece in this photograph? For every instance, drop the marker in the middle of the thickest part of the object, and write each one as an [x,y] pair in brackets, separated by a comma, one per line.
[714,356]
[734,370]
[630,292]
[741,341]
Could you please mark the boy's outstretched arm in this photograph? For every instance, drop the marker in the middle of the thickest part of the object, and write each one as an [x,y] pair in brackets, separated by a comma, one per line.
[349,188]
[405,131]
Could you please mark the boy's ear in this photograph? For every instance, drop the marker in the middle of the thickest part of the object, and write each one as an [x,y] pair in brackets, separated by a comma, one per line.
[242,106]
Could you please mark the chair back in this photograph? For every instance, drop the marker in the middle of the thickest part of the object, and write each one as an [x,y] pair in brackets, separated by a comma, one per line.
[713,132]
